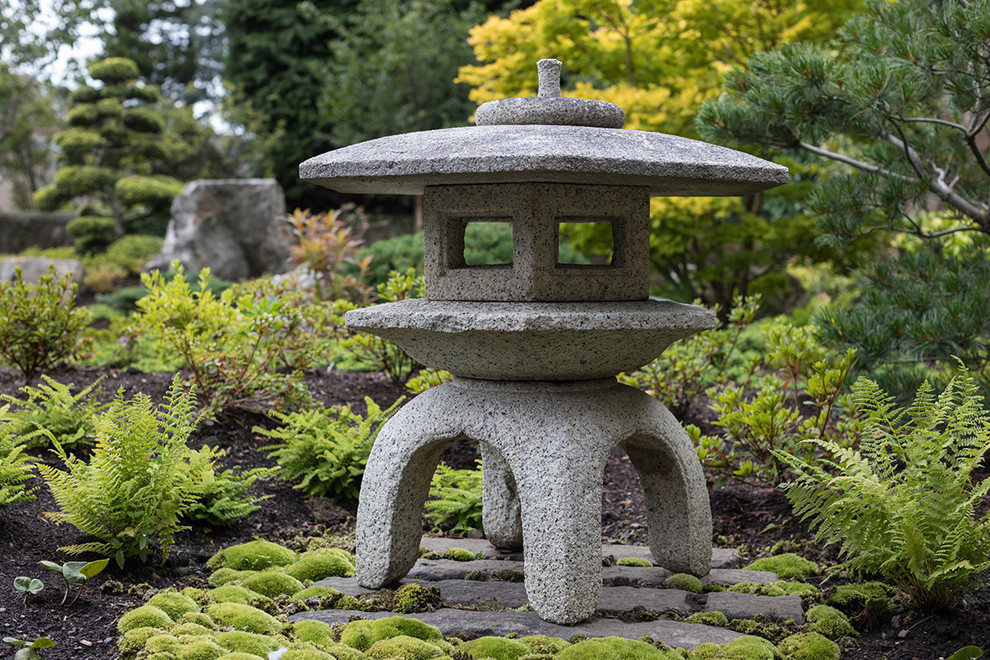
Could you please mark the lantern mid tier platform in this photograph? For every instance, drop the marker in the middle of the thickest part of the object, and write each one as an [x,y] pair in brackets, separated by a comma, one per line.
[534,345]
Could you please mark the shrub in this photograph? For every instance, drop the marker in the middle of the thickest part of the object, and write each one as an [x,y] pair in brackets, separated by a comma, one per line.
[91,233]
[395,254]
[101,276]
[15,465]
[326,448]
[50,411]
[327,245]
[456,499]
[39,324]
[242,350]
[222,497]
[902,505]
[134,489]
[114,70]
[133,252]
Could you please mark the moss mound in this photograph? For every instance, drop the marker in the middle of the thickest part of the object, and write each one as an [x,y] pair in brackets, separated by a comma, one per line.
[245,642]
[829,621]
[641,562]
[615,648]
[809,646]
[233,593]
[318,564]
[715,618]
[788,566]
[134,639]
[272,584]
[244,617]
[544,644]
[361,635]
[416,598]
[684,582]
[223,576]
[405,647]
[174,604]
[459,554]
[146,616]
[253,555]
[744,648]
[200,649]
[499,648]
[313,631]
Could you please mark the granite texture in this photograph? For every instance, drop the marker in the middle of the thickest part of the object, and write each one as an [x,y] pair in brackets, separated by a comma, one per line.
[555,439]
[535,211]
[532,341]
[665,164]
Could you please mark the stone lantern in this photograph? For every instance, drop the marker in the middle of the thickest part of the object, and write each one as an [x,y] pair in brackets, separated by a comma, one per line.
[535,345]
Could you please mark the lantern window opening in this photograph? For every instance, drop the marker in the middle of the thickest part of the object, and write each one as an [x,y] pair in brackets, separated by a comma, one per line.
[483,242]
[603,241]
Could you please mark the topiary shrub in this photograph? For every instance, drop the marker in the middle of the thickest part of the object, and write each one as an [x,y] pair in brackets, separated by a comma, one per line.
[253,555]
[91,233]
[114,70]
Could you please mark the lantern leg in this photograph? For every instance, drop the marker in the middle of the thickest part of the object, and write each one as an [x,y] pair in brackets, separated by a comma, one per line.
[501,512]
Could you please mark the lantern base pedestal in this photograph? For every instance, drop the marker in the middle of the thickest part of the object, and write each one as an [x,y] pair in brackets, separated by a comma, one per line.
[545,445]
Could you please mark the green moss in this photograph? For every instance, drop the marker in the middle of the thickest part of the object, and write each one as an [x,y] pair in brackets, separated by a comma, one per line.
[197,617]
[162,643]
[253,555]
[134,639]
[786,566]
[361,635]
[146,616]
[829,621]
[233,593]
[743,648]
[498,648]
[188,628]
[237,655]
[544,644]
[272,584]
[416,598]
[317,632]
[239,640]
[222,576]
[200,649]
[459,554]
[173,603]
[244,617]
[852,598]
[309,592]
[684,582]
[615,648]
[405,647]
[715,618]
[318,564]
[199,596]
[778,588]
[342,652]
[307,654]
[809,646]
[634,561]
[347,602]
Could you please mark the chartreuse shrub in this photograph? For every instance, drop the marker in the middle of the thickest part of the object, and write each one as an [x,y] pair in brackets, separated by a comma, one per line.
[51,411]
[15,465]
[455,499]
[902,505]
[132,492]
[326,449]
[40,326]
[242,349]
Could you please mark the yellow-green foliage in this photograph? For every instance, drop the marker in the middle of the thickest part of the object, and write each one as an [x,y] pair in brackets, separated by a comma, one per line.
[134,639]
[199,649]
[233,593]
[778,588]
[173,603]
[146,616]
[459,554]
[318,564]
[15,465]
[237,655]
[544,644]
[272,583]
[307,654]
[317,632]
[829,622]
[132,252]
[615,648]
[52,406]
[642,562]
[362,634]
[243,617]
[246,642]
[200,618]
[163,643]
[715,618]
[684,582]
[786,566]
[342,652]
[253,555]
[222,576]
[499,648]
[189,628]
[309,592]
[743,648]
[809,646]
[134,488]
[853,598]
[403,646]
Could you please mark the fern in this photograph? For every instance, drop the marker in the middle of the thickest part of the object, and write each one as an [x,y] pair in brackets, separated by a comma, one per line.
[903,505]
[457,499]
[15,465]
[326,449]
[222,497]
[132,492]
[50,410]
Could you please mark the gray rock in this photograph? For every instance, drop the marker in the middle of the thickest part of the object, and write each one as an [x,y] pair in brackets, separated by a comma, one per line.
[731,576]
[232,226]
[32,268]
[472,624]
[746,606]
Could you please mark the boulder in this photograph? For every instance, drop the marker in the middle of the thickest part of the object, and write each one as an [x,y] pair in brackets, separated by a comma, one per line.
[32,268]
[231,226]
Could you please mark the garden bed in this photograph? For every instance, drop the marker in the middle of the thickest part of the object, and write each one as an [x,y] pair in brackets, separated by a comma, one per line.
[747,517]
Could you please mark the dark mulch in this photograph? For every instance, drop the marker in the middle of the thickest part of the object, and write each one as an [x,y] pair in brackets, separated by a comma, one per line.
[86,630]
